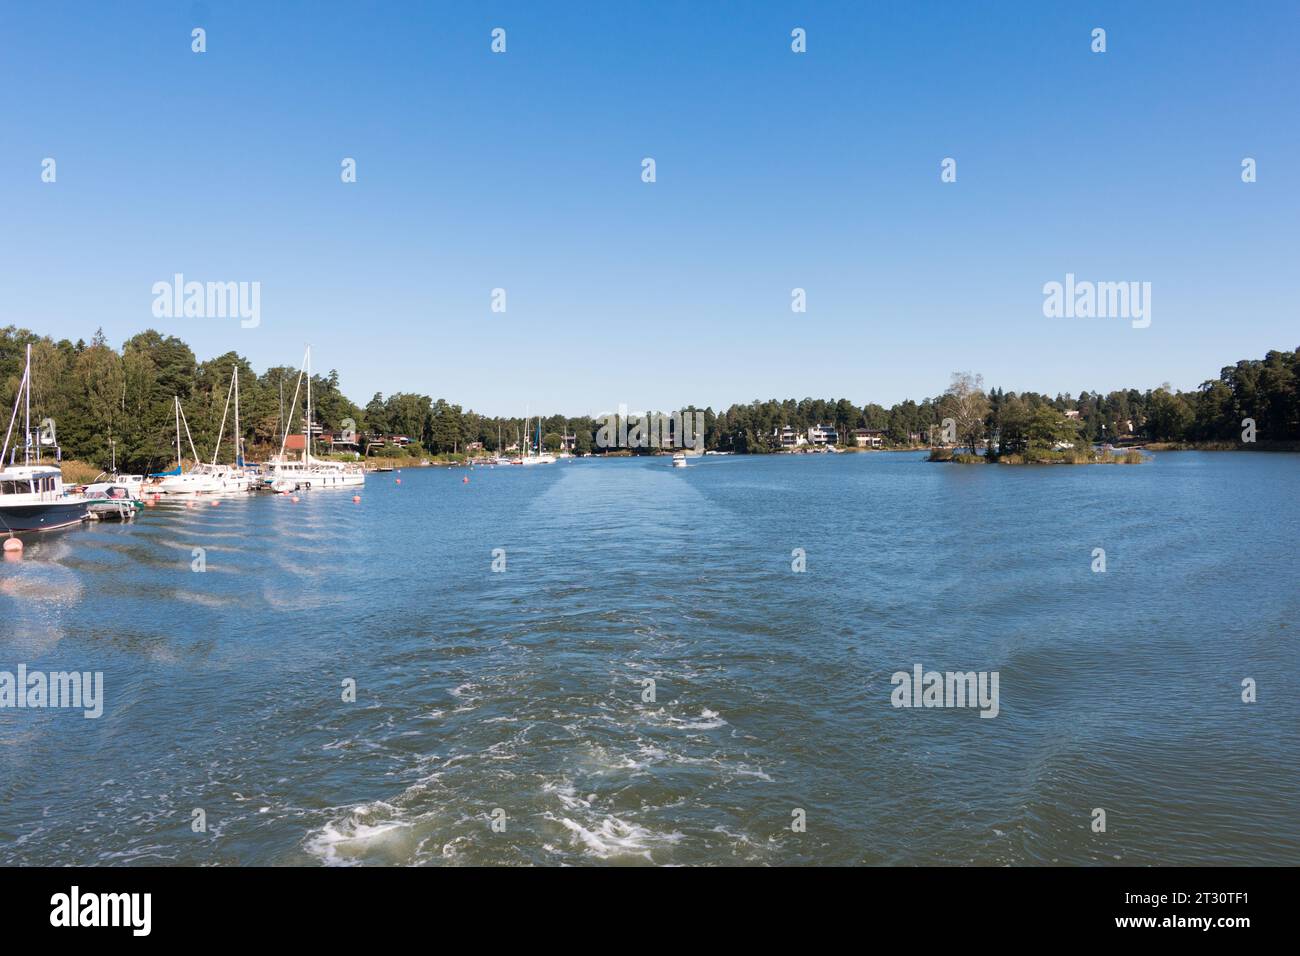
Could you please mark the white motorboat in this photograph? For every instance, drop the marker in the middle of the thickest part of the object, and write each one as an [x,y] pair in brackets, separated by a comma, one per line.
[32,496]
[100,487]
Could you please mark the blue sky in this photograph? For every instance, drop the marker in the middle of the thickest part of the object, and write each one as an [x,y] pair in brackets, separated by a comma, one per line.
[775,171]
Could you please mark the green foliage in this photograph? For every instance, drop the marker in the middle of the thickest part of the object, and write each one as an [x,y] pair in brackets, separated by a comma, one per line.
[102,399]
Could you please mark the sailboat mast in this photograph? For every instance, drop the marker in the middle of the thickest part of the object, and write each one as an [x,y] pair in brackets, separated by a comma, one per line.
[306,445]
[177,401]
[293,407]
[222,430]
[13,418]
[239,438]
[27,413]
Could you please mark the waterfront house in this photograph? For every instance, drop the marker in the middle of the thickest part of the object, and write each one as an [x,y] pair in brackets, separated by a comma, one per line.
[788,438]
[340,442]
[823,435]
[869,437]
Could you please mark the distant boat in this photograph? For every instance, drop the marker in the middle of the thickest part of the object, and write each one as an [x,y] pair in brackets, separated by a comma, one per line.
[32,497]
[542,457]
[679,459]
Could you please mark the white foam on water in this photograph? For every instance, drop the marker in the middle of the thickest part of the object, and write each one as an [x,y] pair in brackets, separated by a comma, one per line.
[206,600]
[608,836]
[612,837]
[707,720]
[370,831]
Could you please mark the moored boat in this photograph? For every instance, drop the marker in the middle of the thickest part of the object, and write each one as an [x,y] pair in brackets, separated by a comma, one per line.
[32,496]
[283,474]
[101,485]
[114,503]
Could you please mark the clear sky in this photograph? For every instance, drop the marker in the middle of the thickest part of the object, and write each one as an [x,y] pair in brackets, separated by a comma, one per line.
[775,170]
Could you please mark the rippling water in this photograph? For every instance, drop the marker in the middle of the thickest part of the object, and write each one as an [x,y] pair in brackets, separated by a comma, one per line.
[523,691]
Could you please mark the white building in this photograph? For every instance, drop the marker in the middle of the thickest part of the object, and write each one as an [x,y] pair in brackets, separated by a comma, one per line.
[823,435]
[787,437]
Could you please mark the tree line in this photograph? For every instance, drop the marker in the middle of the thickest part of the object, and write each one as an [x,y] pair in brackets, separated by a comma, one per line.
[105,401]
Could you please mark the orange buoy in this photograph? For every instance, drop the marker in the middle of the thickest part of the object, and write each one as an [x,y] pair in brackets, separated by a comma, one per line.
[356,499]
[294,499]
[399,481]
[465,480]
[13,545]
[214,503]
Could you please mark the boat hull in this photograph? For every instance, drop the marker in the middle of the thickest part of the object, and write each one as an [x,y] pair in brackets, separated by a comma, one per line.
[42,517]
[197,484]
[308,481]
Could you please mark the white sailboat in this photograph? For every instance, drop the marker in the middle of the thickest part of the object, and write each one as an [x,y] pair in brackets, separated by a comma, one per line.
[540,457]
[181,483]
[233,479]
[284,474]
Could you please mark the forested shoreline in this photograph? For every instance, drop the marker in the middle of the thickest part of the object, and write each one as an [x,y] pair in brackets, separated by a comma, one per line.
[96,394]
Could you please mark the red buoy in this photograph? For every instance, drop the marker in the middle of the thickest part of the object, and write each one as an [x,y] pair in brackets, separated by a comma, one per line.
[356,499]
